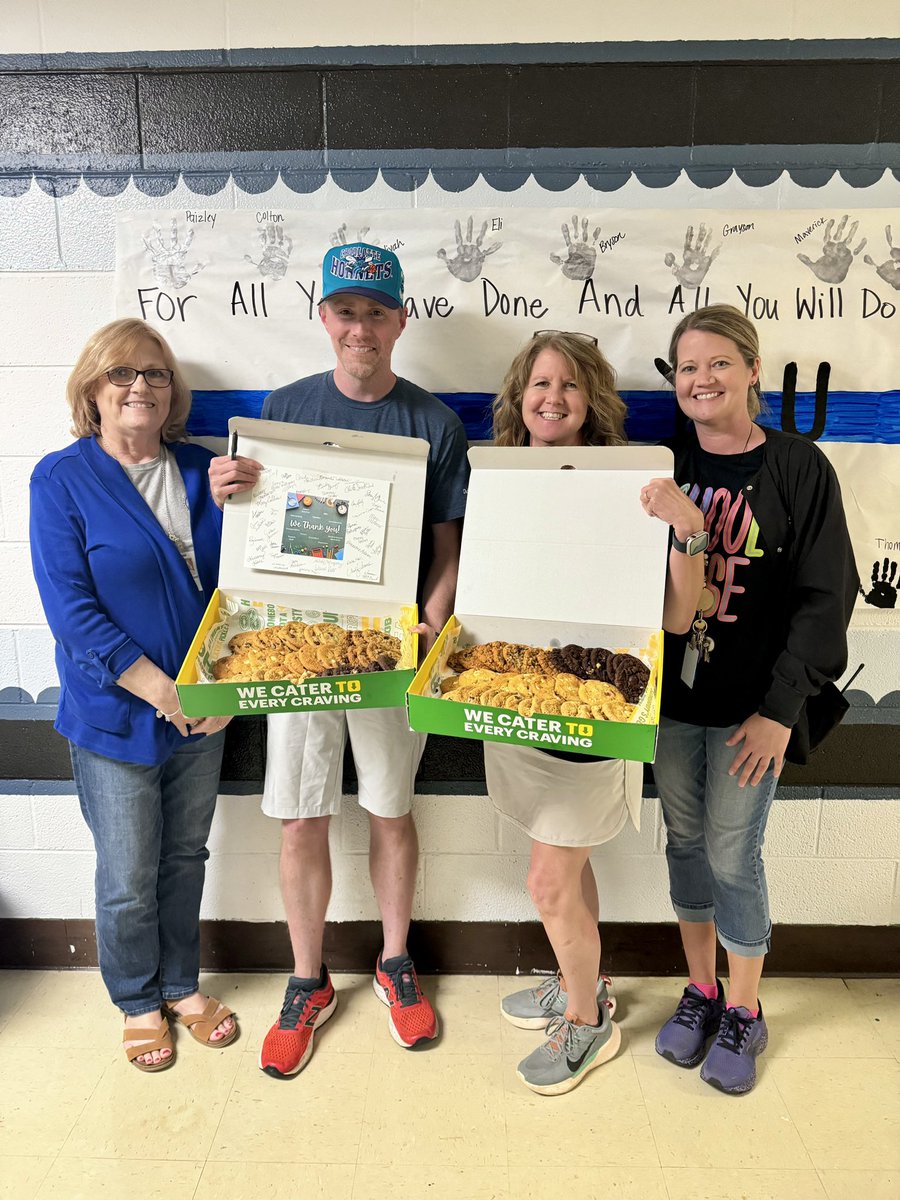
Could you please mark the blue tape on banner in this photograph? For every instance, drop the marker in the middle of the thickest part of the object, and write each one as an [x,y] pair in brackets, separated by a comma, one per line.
[474,410]
[850,416]
[210,411]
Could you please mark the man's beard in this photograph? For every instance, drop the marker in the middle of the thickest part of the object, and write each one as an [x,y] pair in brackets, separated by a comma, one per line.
[360,367]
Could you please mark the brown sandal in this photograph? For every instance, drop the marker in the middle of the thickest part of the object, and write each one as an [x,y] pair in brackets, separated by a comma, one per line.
[160,1039]
[201,1025]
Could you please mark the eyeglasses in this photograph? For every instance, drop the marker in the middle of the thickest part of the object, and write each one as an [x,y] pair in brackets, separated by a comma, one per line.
[582,337]
[156,377]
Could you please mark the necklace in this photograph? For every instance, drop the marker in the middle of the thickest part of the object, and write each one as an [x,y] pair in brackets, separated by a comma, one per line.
[168,485]
[184,545]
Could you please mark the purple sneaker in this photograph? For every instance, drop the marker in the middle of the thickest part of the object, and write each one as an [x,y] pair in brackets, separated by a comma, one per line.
[682,1040]
[731,1063]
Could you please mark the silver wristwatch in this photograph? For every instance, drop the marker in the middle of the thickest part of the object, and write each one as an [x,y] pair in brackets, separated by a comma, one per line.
[695,543]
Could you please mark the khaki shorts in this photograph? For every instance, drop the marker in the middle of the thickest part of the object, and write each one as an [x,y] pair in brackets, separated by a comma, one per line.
[562,803]
[304,763]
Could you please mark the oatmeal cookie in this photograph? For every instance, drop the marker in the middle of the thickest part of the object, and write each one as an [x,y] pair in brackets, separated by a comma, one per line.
[566,686]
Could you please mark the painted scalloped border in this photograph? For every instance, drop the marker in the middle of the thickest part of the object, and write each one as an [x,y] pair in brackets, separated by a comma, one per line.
[158,184]
[16,704]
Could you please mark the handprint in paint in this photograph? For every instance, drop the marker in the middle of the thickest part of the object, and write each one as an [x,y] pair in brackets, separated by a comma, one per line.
[275,252]
[339,237]
[580,254]
[169,256]
[466,264]
[696,257]
[884,591]
[889,270]
[836,257]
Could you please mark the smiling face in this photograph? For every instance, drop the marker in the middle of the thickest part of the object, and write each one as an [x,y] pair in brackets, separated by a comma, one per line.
[712,380]
[553,407]
[137,411]
[363,334]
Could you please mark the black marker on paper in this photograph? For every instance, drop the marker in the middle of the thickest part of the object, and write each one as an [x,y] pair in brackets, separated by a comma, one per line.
[232,444]
[665,370]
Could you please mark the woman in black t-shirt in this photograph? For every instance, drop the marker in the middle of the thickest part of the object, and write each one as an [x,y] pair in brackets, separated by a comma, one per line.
[770,631]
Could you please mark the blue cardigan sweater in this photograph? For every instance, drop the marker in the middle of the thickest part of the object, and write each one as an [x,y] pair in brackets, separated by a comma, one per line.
[115,587]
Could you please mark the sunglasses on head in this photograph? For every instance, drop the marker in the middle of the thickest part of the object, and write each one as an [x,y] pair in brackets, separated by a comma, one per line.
[583,337]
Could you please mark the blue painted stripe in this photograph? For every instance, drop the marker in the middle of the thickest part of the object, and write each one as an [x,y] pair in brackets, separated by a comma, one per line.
[851,416]
[210,411]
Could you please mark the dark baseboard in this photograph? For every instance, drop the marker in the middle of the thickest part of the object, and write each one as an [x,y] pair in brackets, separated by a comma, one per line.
[467,947]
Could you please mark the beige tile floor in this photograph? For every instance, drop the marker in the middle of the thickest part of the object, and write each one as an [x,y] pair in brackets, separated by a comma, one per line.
[367,1119]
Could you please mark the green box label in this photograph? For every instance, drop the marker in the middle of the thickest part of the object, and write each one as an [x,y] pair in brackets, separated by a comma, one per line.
[382,689]
[575,735]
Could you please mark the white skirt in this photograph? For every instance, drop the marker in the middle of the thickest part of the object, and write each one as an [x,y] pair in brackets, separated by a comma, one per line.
[563,803]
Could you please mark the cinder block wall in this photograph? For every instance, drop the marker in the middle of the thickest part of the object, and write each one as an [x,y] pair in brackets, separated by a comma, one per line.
[829,861]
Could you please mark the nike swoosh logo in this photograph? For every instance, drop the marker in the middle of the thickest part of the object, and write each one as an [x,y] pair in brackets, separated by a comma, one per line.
[574,1064]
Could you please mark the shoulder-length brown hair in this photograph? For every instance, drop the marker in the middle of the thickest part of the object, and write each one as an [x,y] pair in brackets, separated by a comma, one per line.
[728,322]
[604,424]
[113,346]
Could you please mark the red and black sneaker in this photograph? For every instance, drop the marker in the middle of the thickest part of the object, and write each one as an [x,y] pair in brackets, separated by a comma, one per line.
[411,1021]
[288,1045]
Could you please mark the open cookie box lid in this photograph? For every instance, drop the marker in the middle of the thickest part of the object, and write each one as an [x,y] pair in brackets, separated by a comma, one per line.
[315,453]
[565,546]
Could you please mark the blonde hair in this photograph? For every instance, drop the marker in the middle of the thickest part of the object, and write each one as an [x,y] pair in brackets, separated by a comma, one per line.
[728,322]
[112,346]
[604,424]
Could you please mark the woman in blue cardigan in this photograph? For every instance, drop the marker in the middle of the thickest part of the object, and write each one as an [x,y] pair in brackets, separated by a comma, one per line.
[125,545]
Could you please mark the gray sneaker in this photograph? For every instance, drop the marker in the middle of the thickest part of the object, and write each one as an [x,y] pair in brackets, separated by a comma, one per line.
[535,1008]
[562,1062]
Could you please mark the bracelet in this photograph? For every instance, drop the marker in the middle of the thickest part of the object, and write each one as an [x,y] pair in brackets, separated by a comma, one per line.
[169,716]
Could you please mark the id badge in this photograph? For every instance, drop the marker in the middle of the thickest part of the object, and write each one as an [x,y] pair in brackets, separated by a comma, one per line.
[689,664]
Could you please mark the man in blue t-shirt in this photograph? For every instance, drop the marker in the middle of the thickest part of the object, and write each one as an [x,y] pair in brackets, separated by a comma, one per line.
[363,314]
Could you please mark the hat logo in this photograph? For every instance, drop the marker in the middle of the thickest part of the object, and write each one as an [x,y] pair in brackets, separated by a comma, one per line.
[360,263]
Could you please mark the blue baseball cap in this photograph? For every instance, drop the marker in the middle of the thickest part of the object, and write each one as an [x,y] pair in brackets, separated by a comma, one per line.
[363,270]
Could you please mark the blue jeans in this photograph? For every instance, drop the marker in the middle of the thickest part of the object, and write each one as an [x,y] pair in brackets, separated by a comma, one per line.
[150,826]
[715,834]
